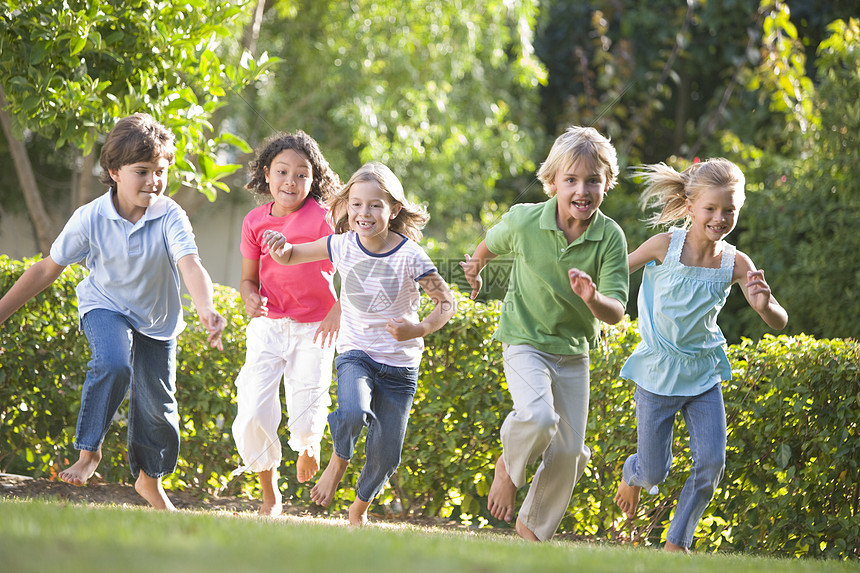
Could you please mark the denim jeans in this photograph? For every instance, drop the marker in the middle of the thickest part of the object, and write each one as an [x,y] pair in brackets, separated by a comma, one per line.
[705,418]
[379,397]
[123,360]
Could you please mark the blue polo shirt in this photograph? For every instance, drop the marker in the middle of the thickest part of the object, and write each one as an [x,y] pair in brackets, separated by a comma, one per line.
[540,308]
[132,267]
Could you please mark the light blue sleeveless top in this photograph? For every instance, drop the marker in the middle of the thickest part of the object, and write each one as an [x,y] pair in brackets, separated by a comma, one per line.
[682,350]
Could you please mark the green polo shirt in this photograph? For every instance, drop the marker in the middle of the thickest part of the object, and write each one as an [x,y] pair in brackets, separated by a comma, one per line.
[540,308]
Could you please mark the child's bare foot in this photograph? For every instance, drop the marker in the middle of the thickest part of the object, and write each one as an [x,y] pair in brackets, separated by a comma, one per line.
[627,498]
[83,469]
[150,489]
[323,492]
[358,513]
[307,465]
[672,548]
[525,532]
[272,500]
[503,493]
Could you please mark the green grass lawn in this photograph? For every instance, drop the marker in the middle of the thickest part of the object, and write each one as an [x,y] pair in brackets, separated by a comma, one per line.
[44,536]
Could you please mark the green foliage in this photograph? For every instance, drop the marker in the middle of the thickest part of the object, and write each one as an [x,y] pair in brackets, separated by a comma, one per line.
[71,68]
[793,407]
[445,93]
[799,223]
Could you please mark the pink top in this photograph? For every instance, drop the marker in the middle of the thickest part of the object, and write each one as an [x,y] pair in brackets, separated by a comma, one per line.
[302,292]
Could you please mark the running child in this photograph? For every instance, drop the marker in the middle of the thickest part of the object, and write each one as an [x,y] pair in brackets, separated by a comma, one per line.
[290,309]
[381,338]
[135,243]
[681,362]
[569,274]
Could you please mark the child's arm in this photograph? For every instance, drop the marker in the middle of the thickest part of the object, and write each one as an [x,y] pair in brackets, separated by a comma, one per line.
[445,307]
[34,280]
[329,327]
[199,285]
[249,289]
[757,292]
[654,249]
[604,308]
[473,266]
[289,254]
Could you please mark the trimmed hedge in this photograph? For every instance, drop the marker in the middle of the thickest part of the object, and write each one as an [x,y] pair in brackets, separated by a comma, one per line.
[792,480]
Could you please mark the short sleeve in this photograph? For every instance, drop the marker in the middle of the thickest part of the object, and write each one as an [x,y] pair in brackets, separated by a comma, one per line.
[422,264]
[499,238]
[180,235]
[249,246]
[73,243]
[614,277]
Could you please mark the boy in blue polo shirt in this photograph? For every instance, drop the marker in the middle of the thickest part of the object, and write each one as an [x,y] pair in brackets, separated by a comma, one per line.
[135,243]
[569,273]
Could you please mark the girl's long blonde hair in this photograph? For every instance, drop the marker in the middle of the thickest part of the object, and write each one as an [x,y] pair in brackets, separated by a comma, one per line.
[409,221]
[668,190]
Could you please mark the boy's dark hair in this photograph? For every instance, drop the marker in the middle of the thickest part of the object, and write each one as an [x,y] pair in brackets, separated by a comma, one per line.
[325,180]
[135,138]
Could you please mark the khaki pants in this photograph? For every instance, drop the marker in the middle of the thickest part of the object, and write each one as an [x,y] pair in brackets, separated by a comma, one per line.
[550,395]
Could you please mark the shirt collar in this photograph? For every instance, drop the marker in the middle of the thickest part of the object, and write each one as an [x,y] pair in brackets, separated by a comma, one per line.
[107,209]
[595,229]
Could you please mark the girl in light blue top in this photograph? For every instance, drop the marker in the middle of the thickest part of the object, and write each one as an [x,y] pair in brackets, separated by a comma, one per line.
[680,362]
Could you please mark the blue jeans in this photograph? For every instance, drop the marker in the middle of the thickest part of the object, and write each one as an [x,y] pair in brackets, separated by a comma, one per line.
[379,397]
[705,418]
[124,359]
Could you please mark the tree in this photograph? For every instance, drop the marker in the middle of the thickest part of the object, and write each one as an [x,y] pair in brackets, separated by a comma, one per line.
[445,93]
[68,70]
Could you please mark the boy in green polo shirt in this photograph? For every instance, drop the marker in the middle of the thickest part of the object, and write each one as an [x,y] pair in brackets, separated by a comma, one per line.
[569,273]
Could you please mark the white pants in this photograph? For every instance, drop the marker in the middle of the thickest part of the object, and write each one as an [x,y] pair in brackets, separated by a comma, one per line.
[550,395]
[281,348]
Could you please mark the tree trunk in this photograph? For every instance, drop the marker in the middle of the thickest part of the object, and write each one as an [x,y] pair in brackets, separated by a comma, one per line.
[44,226]
[84,190]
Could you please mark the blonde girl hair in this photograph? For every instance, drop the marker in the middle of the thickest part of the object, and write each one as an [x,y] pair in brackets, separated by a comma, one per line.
[668,191]
[579,144]
[409,221]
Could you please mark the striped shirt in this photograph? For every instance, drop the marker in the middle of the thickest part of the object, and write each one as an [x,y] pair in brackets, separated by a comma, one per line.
[376,287]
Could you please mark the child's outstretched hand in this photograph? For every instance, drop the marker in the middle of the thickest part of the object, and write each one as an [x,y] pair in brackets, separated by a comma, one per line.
[758,290]
[329,327]
[402,329]
[582,284]
[214,323]
[255,305]
[473,275]
[276,241]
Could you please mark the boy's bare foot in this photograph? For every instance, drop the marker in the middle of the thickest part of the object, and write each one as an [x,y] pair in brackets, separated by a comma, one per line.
[83,469]
[672,548]
[272,500]
[323,492]
[358,513]
[307,466]
[525,532]
[150,489]
[503,493]
[627,498]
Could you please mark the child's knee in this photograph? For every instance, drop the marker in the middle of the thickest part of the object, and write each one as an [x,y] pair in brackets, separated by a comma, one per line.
[354,418]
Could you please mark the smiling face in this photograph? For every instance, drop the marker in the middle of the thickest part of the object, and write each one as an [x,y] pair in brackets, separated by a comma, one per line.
[714,212]
[370,212]
[138,186]
[580,188]
[289,176]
